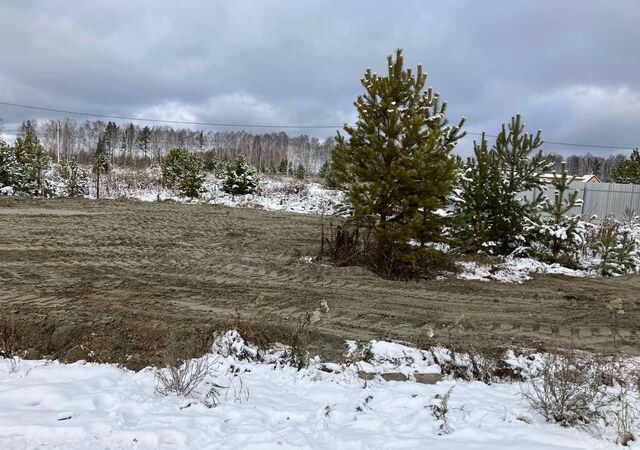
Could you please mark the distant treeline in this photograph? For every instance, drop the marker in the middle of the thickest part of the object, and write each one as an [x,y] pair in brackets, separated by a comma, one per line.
[589,164]
[135,145]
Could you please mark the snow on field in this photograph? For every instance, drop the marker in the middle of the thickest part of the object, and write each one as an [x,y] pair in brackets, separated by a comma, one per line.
[515,270]
[282,195]
[277,194]
[46,404]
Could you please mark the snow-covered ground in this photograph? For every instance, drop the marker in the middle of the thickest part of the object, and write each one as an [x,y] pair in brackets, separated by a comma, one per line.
[266,404]
[515,270]
[277,194]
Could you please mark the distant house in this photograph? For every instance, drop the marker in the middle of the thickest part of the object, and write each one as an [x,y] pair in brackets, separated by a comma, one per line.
[548,177]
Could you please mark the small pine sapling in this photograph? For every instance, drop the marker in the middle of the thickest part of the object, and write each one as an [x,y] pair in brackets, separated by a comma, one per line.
[101,163]
[521,164]
[327,174]
[182,171]
[559,233]
[75,179]
[32,161]
[241,178]
[491,213]
[283,167]
[615,248]
[474,198]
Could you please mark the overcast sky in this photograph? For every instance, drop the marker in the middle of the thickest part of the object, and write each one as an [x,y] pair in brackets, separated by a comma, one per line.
[572,68]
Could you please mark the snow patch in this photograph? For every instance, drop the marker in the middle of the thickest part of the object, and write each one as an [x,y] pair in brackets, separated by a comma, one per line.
[515,270]
[102,406]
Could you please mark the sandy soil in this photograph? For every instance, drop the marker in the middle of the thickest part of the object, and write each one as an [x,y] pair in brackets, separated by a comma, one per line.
[123,278]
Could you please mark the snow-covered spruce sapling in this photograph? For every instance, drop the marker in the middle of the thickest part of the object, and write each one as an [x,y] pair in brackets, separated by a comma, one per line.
[327,174]
[182,171]
[395,165]
[615,248]
[241,178]
[301,172]
[283,167]
[520,164]
[12,178]
[74,178]
[32,161]
[559,233]
[491,214]
[213,164]
[474,198]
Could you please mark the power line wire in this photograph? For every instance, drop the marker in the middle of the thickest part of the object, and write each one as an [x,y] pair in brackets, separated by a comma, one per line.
[570,144]
[179,122]
[216,124]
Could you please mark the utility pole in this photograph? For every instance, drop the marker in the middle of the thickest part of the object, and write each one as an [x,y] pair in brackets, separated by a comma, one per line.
[58,140]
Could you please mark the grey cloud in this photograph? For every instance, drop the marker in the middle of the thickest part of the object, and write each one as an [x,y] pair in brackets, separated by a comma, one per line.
[300,62]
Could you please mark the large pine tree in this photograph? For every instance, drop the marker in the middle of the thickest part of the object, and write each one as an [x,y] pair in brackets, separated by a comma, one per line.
[395,163]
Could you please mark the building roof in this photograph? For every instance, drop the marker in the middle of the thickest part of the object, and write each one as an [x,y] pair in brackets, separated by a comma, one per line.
[576,178]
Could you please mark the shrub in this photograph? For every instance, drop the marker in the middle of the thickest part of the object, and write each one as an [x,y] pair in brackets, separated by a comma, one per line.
[241,178]
[567,390]
[182,171]
[183,372]
[10,345]
[441,409]
[182,377]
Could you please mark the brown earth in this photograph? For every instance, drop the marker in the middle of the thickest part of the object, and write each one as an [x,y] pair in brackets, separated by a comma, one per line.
[122,279]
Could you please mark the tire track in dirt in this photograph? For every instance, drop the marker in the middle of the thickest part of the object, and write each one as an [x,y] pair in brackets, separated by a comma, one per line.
[199,263]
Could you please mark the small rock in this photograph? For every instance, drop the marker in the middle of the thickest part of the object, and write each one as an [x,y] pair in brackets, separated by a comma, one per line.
[394,376]
[366,375]
[428,378]
[63,335]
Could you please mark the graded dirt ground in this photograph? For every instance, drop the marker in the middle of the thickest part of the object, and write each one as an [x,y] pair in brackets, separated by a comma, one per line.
[121,280]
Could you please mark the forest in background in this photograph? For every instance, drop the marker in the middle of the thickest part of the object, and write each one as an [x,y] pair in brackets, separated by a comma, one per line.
[134,145]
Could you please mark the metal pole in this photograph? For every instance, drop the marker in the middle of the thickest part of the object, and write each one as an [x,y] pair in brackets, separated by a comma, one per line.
[58,140]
